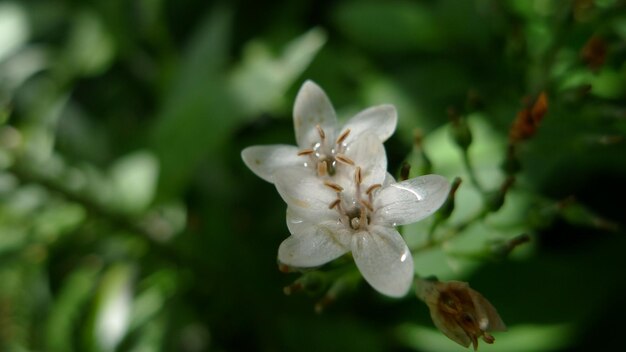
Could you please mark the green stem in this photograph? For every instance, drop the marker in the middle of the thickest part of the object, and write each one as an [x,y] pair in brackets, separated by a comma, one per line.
[450,234]
[471,173]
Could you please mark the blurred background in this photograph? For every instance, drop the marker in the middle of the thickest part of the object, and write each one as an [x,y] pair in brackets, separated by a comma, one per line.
[128,221]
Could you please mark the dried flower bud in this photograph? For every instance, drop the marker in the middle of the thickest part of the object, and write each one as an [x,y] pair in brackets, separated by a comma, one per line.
[528,119]
[594,53]
[461,313]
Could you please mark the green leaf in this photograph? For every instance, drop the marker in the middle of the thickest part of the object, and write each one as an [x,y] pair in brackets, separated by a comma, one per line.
[197,111]
[134,178]
[90,48]
[14,28]
[111,315]
[518,338]
[67,308]
[261,81]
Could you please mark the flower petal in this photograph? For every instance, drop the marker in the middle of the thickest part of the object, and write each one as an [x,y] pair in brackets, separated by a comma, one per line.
[306,194]
[368,153]
[380,120]
[311,244]
[384,260]
[411,200]
[264,160]
[312,108]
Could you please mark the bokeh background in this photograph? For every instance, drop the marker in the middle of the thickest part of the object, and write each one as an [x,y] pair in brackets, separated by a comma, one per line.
[128,221]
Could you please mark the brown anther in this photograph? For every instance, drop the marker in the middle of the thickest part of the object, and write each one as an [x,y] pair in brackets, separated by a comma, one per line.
[357,175]
[322,168]
[344,159]
[306,152]
[372,188]
[343,136]
[334,186]
[321,132]
[367,204]
[334,204]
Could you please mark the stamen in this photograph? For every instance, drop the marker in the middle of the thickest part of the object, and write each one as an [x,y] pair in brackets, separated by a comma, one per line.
[367,204]
[334,204]
[322,168]
[357,175]
[321,132]
[343,136]
[372,188]
[363,218]
[306,152]
[344,159]
[334,186]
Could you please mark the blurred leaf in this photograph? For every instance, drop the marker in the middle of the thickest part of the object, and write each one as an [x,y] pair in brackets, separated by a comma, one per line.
[200,113]
[260,82]
[520,338]
[63,320]
[56,219]
[90,48]
[13,26]
[112,308]
[197,112]
[158,288]
[134,178]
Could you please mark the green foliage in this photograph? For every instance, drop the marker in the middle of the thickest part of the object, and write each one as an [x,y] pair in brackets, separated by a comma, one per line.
[128,221]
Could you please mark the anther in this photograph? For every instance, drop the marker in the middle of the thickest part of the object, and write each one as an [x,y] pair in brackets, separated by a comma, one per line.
[334,186]
[344,159]
[320,131]
[322,168]
[357,175]
[343,136]
[372,188]
[306,152]
[334,204]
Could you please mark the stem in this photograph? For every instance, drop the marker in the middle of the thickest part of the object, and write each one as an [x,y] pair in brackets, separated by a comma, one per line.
[453,232]
[471,173]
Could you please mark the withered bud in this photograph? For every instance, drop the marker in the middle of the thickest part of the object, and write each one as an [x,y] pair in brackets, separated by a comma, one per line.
[461,313]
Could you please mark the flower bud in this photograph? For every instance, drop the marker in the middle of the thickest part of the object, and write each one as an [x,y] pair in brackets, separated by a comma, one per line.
[495,200]
[461,313]
[461,132]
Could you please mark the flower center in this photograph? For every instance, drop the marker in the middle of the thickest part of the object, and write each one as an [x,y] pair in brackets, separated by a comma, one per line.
[355,211]
[324,155]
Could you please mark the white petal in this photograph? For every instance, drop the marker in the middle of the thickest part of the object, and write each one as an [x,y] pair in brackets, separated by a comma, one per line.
[389,179]
[368,153]
[380,120]
[311,244]
[312,108]
[305,193]
[264,160]
[411,200]
[384,260]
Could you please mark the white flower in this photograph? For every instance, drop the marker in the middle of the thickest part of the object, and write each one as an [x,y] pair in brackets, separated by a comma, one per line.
[322,145]
[358,215]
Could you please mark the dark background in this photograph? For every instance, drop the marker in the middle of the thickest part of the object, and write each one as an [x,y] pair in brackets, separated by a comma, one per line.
[128,221]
